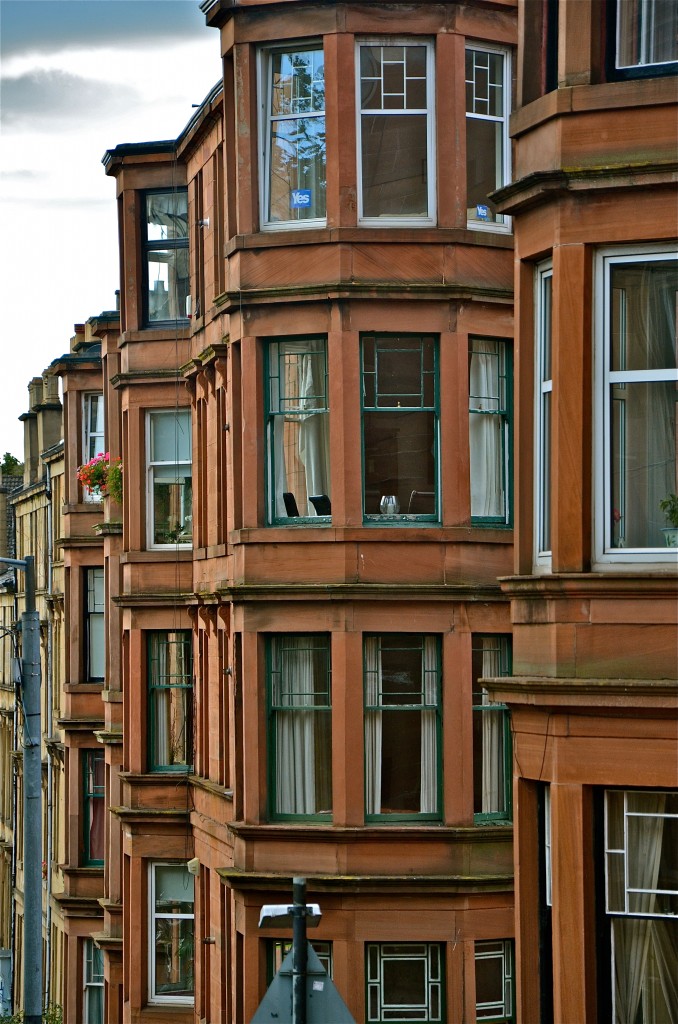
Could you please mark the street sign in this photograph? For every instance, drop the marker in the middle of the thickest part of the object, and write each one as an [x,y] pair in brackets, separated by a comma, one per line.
[324,1005]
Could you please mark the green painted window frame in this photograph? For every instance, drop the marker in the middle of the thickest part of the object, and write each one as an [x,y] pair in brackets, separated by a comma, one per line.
[424,398]
[277,685]
[498,406]
[91,792]
[95,643]
[374,687]
[296,409]
[497,1011]
[480,708]
[379,956]
[184,685]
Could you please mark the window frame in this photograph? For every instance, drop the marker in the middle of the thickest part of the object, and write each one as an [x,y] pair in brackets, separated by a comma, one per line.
[401,220]
[93,441]
[265,87]
[184,414]
[91,792]
[404,817]
[271,414]
[503,225]
[605,554]
[158,998]
[94,614]
[543,418]
[400,519]
[374,981]
[504,651]
[89,952]
[157,245]
[505,953]
[182,636]
[506,417]
[617,71]
[277,950]
[273,667]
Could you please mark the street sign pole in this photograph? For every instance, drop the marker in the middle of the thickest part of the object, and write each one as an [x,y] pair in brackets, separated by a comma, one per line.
[299,956]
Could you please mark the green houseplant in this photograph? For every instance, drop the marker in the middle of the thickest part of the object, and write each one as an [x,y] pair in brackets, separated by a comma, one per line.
[669,506]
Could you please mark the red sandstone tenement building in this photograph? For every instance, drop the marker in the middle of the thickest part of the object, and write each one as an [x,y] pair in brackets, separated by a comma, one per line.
[387,601]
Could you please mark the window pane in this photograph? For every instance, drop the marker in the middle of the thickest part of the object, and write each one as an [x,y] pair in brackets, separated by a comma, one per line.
[400,461]
[167,215]
[488,429]
[643,442]
[643,315]
[172,505]
[404,982]
[394,165]
[491,758]
[296,146]
[484,167]
[170,699]
[174,956]
[301,724]
[174,890]
[647,32]
[168,284]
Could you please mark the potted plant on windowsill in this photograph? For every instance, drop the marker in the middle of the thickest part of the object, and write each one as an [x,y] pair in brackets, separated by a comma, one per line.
[103,477]
[669,506]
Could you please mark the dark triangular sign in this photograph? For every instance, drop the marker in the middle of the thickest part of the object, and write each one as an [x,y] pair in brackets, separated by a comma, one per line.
[324,1005]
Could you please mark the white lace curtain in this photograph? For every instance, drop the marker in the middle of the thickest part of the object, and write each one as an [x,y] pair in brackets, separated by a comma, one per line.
[294,730]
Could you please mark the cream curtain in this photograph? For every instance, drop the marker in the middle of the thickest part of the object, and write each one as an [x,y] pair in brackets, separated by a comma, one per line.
[295,734]
[485,431]
[373,726]
[492,797]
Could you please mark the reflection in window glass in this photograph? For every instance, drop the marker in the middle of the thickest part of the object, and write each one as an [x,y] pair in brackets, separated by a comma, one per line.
[170,695]
[647,32]
[166,250]
[169,485]
[295,176]
[171,932]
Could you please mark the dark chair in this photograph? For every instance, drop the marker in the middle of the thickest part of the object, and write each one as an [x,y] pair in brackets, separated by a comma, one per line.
[290,504]
[421,503]
[321,503]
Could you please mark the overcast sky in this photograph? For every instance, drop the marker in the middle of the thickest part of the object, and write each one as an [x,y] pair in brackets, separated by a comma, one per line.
[78,77]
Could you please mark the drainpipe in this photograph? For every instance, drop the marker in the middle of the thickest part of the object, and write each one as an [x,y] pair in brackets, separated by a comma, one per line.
[16,679]
[50,760]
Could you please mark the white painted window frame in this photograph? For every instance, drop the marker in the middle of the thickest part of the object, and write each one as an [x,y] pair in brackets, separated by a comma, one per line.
[503,952]
[87,985]
[543,387]
[153,997]
[606,556]
[415,221]
[264,94]
[89,450]
[505,225]
[151,465]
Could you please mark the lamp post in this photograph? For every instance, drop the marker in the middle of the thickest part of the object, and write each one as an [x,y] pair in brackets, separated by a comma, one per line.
[32,795]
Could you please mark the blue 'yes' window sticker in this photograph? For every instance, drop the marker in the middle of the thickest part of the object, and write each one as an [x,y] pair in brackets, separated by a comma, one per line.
[300,198]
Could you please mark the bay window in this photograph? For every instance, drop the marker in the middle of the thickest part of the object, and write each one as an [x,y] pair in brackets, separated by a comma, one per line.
[165,244]
[490,430]
[171,934]
[300,725]
[170,700]
[641,901]
[395,137]
[400,428]
[405,982]
[402,727]
[491,657]
[293,125]
[169,493]
[488,154]
[297,434]
[494,981]
[636,391]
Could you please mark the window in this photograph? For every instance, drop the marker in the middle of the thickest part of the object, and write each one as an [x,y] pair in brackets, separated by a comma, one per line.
[166,256]
[544,391]
[300,725]
[488,154]
[405,982]
[402,726]
[637,388]
[491,657]
[93,439]
[641,859]
[171,934]
[645,34]
[95,651]
[93,772]
[297,434]
[395,138]
[400,428]
[170,695]
[93,984]
[277,950]
[293,101]
[494,981]
[169,478]
[490,425]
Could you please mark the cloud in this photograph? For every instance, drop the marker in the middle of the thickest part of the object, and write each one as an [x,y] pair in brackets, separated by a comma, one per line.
[50,26]
[55,98]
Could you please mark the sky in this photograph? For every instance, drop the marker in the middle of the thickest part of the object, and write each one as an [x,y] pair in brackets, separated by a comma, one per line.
[78,77]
